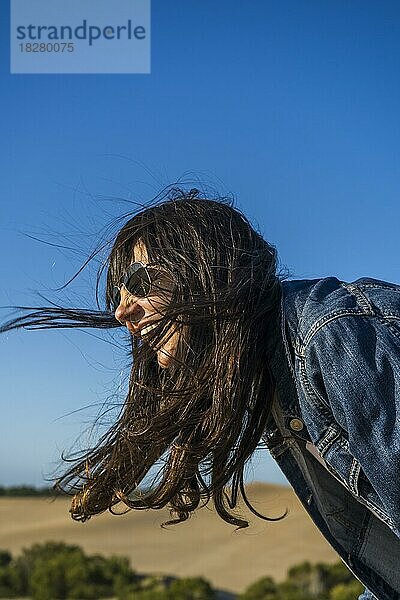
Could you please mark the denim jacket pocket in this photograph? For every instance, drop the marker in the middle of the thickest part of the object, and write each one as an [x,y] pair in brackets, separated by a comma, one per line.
[333,448]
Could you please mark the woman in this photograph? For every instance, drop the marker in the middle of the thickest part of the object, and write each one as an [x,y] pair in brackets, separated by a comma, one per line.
[227,354]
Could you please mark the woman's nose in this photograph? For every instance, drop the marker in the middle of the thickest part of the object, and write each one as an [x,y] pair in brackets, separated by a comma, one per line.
[128,309]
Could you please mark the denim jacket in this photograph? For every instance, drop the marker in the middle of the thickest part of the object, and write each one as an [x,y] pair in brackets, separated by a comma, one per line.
[335,431]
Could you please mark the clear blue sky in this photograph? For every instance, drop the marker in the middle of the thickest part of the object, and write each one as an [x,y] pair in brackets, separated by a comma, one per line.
[292,106]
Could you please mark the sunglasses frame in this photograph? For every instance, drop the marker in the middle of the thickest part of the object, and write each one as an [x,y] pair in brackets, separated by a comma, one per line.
[131,270]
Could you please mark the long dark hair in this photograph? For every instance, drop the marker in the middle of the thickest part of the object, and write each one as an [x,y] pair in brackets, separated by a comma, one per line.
[203,418]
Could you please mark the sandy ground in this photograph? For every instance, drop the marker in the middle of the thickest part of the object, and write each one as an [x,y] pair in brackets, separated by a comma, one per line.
[204,546]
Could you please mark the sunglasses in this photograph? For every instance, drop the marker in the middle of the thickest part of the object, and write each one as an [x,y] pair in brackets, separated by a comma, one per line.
[140,280]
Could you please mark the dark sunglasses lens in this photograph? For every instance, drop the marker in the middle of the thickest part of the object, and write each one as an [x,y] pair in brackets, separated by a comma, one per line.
[138,283]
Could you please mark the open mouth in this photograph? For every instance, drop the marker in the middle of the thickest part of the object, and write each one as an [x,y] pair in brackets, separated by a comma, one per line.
[146,330]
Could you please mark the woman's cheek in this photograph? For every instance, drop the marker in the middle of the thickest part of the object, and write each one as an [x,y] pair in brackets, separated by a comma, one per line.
[168,350]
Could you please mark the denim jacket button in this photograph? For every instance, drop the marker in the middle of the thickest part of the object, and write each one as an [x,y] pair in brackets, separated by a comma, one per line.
[296,424]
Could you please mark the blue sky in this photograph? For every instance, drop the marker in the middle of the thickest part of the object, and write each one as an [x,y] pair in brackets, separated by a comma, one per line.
[291,106]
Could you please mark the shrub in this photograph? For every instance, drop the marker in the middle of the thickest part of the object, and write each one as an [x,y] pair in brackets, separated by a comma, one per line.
[5,558]
[316,581]
[33,558]
[148,595]
[57,570]
[141,588]
[263,589]
[309,580]
[8,588]
[289,591]
[337,573]
[194,588]
[346,591]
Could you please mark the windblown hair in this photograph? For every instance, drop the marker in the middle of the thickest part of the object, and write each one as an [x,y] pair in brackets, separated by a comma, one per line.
[202,418]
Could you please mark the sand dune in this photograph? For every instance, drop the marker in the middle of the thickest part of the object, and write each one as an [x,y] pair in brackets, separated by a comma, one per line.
[203,546]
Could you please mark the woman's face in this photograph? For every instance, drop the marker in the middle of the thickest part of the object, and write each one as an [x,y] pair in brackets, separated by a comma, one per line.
[141,314]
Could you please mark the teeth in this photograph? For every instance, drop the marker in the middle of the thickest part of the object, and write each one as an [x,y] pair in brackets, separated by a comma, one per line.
[147,329]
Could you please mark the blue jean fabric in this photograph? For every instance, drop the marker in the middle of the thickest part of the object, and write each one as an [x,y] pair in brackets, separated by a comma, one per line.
[336,432]
[367,595]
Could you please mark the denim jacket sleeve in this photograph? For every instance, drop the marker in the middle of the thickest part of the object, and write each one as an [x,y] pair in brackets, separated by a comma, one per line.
[352,369]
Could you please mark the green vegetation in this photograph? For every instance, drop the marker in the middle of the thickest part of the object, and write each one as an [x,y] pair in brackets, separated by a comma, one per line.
[55,570]
[25,490]
[308,582]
